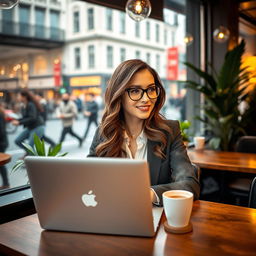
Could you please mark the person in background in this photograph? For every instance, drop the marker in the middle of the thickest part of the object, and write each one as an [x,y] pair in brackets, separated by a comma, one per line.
[31,118]
[44,113]
[67,112]
[132,127]
[3,147]
[91,112]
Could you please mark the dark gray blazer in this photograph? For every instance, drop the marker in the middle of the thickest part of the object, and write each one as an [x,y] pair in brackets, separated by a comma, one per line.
[173,172]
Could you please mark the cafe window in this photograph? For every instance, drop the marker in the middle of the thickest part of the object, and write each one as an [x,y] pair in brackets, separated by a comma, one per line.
[77,54]
[137,29]
[109,56]
[122,54]
[90,17]
[97,56]
[122,22]
[91,56]
[109,19]
[76,22]
[147,30]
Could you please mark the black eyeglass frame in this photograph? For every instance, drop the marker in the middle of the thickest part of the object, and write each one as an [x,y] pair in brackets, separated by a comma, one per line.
[158,89]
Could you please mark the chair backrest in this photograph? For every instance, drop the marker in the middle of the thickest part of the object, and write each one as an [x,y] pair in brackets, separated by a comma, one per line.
[252,195]
[246,144]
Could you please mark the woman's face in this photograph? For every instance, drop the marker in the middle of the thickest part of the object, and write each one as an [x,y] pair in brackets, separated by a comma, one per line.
[141,109]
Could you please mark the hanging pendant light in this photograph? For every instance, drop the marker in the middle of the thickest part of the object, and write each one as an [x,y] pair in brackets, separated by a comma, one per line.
[188,39]
[8,4]
[221,34]
[138,10]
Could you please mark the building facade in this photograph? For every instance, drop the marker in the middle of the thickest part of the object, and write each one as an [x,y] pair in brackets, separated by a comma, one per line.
[39,56]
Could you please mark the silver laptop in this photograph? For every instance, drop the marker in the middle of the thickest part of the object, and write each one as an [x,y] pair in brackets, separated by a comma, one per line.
[93,195]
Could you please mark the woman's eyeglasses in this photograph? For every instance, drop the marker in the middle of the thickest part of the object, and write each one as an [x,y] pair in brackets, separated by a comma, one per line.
[136,94]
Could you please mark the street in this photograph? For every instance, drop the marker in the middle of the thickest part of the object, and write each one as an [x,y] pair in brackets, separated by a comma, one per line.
[70,145]
[53,130]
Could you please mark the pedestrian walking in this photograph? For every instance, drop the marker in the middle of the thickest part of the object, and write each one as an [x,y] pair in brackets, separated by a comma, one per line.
[3,147]
[67,112]
[31,119]
[91,112]
[44,113]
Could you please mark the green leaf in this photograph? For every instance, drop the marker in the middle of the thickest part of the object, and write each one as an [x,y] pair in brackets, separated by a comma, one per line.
[18,165]
[63,154]
[39,145]
[29,149]
[55,150]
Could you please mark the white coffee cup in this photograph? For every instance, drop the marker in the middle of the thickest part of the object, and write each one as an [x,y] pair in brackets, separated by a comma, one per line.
[178,207]
[199,142]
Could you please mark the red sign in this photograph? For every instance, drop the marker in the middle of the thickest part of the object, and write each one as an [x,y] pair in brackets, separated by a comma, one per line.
[57,73]
[172,63]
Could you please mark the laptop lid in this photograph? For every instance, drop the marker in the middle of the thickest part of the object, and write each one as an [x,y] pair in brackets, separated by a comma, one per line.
[95,195]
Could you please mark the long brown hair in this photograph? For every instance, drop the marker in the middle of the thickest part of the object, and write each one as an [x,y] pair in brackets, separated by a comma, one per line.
[31,98]
[111,127]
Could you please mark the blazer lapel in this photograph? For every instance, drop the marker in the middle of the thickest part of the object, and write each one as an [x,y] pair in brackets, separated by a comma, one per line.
[154,162]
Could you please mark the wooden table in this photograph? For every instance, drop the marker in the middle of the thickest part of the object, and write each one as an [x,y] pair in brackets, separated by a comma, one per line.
[4,158]
[221,160]
[219,229]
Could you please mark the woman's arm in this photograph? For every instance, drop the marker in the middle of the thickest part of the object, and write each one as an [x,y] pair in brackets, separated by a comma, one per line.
[183,173]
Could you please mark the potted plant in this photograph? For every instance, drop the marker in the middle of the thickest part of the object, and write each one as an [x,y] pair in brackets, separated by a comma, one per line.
[184,126]
[38,150]
[223,92]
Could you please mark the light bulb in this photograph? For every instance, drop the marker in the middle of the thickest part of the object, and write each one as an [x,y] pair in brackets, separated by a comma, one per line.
[221,34]
[8,4]
[188,39]
[138,10]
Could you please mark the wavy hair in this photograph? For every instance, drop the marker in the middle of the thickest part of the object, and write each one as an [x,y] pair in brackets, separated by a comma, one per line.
[112,125]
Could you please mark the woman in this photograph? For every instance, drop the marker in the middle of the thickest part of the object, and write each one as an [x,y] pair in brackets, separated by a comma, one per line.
[31,119]
[3,146]
[133,127]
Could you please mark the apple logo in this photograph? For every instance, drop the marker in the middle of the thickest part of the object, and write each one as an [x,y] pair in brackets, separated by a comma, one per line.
[89,199]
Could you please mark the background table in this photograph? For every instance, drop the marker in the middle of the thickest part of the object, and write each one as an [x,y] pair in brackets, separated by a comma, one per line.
[4,158]
[219,229]
[221,160]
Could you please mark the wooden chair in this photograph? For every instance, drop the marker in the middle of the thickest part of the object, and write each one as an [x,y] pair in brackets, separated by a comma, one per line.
[252,195]
[240,185]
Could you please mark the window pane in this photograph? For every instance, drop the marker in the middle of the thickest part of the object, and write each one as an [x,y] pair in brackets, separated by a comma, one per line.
[148,30]
[109,19]
[122,22]
[55,24]
[91,60]
[137,54]
[90,13]
[77,58]
[76,23]
[137,29]
[24,16]
[40,22]
[122,54]
[109,56]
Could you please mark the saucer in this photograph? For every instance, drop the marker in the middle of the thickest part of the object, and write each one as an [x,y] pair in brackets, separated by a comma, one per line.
[178,230]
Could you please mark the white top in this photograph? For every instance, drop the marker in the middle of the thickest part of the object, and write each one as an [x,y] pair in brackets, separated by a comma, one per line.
[141,152]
